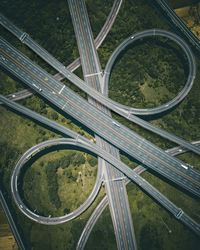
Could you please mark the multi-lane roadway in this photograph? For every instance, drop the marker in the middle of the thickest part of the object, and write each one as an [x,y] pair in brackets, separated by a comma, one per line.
[122,110]
[89,147]
[71,104]
[76,63]
[77,138]
[11,221]
[98,122]
[93,76]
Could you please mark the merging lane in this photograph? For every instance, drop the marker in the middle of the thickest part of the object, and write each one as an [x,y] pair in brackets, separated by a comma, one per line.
[178,23]
[136,146]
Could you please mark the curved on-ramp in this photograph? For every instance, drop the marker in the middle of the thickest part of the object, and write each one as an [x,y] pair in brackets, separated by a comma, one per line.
[181,95]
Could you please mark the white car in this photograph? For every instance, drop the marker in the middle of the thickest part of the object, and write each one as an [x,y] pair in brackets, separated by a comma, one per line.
[116,124]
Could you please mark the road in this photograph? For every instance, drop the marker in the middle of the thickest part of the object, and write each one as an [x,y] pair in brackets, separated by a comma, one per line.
[154,33]
[116,191]
[104,126]
[75,106]
[56,127]
[104,202]
[121,109]
[11,222]
[178,23]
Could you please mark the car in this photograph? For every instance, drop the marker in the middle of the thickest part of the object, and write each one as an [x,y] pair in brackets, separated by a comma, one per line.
[37,87]
[184,166]
[116,124]
[13,95]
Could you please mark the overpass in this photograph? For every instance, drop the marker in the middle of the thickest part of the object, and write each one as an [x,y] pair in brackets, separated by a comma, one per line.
[39,86]
[122,110]
[61,129]
[95,149]
[116,192]
[76,63]
[72,104]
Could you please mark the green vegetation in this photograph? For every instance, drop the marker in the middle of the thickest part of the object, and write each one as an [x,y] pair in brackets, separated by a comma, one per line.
[145,75]
[59,182]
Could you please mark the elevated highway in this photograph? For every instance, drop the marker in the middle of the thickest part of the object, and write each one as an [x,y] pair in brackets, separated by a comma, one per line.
[63,130]
[122,110]
[103,125]
[71,104]
[116,191]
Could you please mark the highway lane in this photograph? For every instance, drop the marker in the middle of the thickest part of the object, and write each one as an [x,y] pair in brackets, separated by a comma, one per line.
[118,108]
[179,23]
[63,130]
[76,63]
[91,222]
[75,106]
[11,222]
[95,149]
[116,191]
[104,202]
[18,95]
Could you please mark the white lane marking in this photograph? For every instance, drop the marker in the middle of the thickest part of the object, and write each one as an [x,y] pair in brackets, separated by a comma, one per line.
[98,73]
[61,89]
[64,105]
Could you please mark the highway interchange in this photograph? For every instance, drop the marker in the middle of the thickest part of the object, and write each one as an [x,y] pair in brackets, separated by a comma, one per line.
[101,124]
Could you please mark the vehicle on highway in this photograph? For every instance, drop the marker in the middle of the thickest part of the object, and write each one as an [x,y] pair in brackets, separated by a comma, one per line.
[116,124]
[37,87]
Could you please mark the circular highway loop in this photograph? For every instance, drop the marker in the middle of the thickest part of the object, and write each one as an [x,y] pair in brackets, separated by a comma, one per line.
[181,95]
[18,170]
